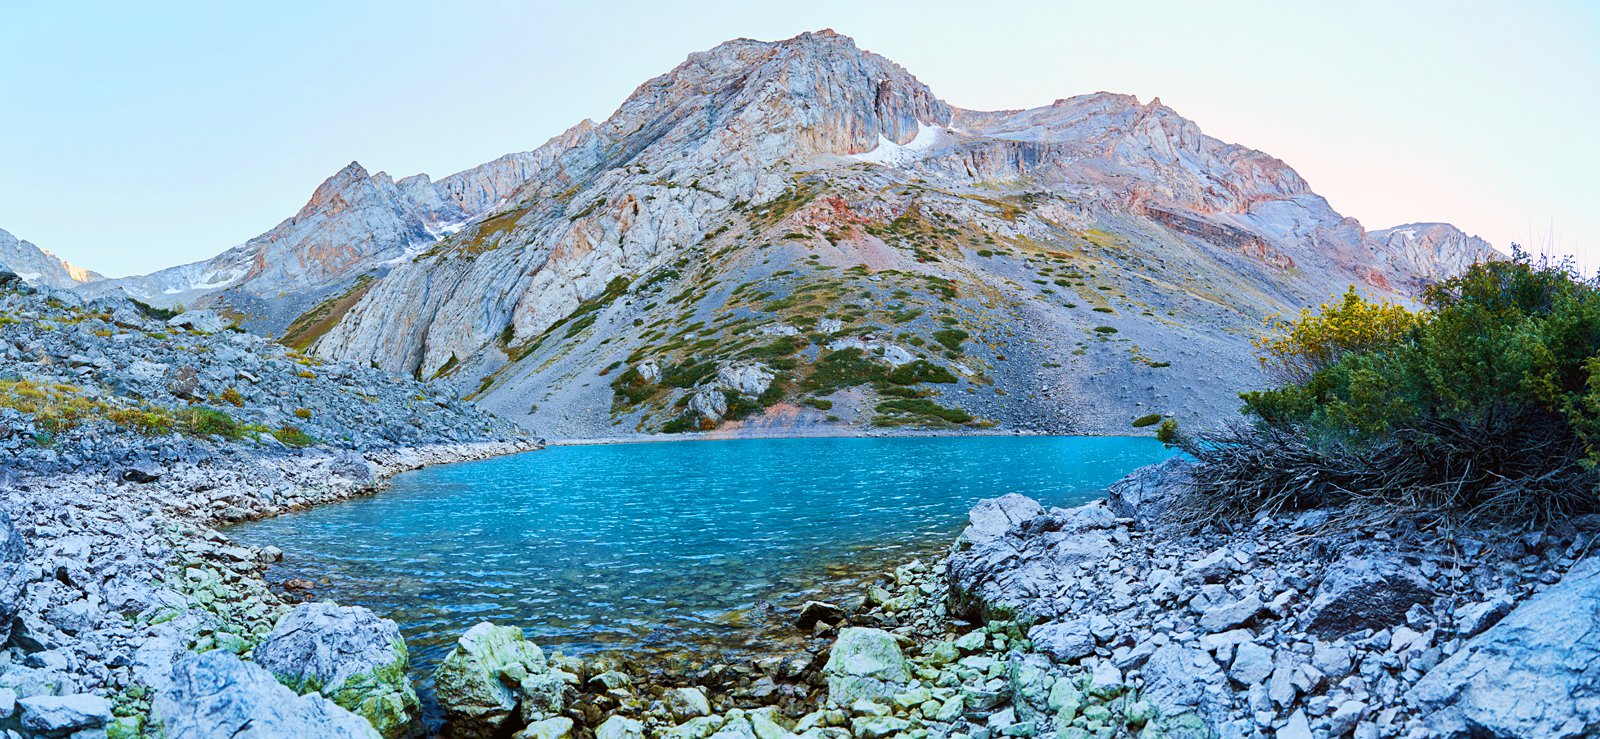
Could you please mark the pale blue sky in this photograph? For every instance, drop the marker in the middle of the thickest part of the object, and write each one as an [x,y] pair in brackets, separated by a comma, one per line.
[138,136]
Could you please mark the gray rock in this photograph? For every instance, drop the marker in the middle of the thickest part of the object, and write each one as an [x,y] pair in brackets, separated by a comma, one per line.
[1534,674]
[347,654]
[203,321]
[1365,592]
[1179,679]
[865,663]
[815,612]
[1474,619]
[1013,552]
[620,727]
[1147,492]
[1252,663]
[991,518]
[218,695]
[686,703]
[13,573]
[1231,615]
[55,715]
[1065,641]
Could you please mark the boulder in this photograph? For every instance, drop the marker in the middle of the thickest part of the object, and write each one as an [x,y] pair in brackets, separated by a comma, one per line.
[559,727]
[748,378]
[1014,552]
[1184,680]
[815,612]
[709,402]
[1064,641]
[217,694]
[1145,493]
[204,321]
[1371,591]
[620,727]
[686,703]
[865,663]
[478,683]
[347,654]
[13,574]
[991,518]
[1536,673]
[55,715]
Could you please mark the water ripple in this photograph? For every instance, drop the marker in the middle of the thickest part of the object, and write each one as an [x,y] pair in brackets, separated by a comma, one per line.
[601,547]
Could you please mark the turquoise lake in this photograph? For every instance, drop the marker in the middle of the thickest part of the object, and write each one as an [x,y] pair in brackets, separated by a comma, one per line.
[663,544]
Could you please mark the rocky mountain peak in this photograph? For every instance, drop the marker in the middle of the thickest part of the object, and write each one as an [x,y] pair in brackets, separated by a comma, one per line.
[38,266]
[816,93]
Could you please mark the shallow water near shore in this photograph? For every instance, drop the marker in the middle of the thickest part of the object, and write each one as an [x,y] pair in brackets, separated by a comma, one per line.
[663,546]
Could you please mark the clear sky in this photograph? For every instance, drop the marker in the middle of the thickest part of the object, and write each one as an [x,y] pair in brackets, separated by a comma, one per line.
[135,136]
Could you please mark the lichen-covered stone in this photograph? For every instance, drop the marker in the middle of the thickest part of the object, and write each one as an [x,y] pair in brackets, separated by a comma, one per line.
[348,654]
[477,683]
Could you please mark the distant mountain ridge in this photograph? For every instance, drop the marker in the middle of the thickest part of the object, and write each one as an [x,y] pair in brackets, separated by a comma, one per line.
[1082,247]
[39,267]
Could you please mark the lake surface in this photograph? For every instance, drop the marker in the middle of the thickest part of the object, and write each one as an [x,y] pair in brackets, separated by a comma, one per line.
[662,544]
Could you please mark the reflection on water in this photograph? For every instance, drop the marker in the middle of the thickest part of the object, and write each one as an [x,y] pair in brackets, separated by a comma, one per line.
[600,547]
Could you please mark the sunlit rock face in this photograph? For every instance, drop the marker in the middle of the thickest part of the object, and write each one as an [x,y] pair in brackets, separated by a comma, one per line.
[39,267]
[770,168]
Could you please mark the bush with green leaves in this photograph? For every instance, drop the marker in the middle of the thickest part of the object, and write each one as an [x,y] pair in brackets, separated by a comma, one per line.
[1484,405]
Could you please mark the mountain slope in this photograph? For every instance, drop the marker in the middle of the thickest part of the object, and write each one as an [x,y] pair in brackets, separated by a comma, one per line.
[39,267]
[799,236]
[355,224]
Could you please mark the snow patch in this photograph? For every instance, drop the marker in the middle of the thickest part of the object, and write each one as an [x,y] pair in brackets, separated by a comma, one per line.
[30,277]
[889,153]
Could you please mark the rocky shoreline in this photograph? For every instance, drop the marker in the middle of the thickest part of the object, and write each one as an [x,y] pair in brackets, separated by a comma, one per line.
[110,581]
[1095,621]
[1100,621]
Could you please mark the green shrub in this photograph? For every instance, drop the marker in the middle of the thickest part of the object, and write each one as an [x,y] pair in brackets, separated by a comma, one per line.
[918,371]
[921,410]
[292,436]
[202,421]
[1486,405]
[844,368]
[1148,420]
[951,338]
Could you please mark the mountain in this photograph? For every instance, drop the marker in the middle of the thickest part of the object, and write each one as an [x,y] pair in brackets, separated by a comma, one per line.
[356,224]
[1431,251]
[801,237]
[39,267]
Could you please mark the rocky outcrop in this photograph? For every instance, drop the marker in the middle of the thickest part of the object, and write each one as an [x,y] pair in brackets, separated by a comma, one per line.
[1534,674]
[1287,626]
[348,655]
[217,694]
[1014,552]
[495,680]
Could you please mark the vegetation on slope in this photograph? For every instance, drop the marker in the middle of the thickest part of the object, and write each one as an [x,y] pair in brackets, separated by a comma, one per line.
[1485,405]
[312,324]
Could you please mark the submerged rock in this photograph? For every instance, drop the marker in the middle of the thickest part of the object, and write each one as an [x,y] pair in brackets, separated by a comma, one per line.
[1534,674]
[348,654]
[218,695]
[479,683]
[865,663]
